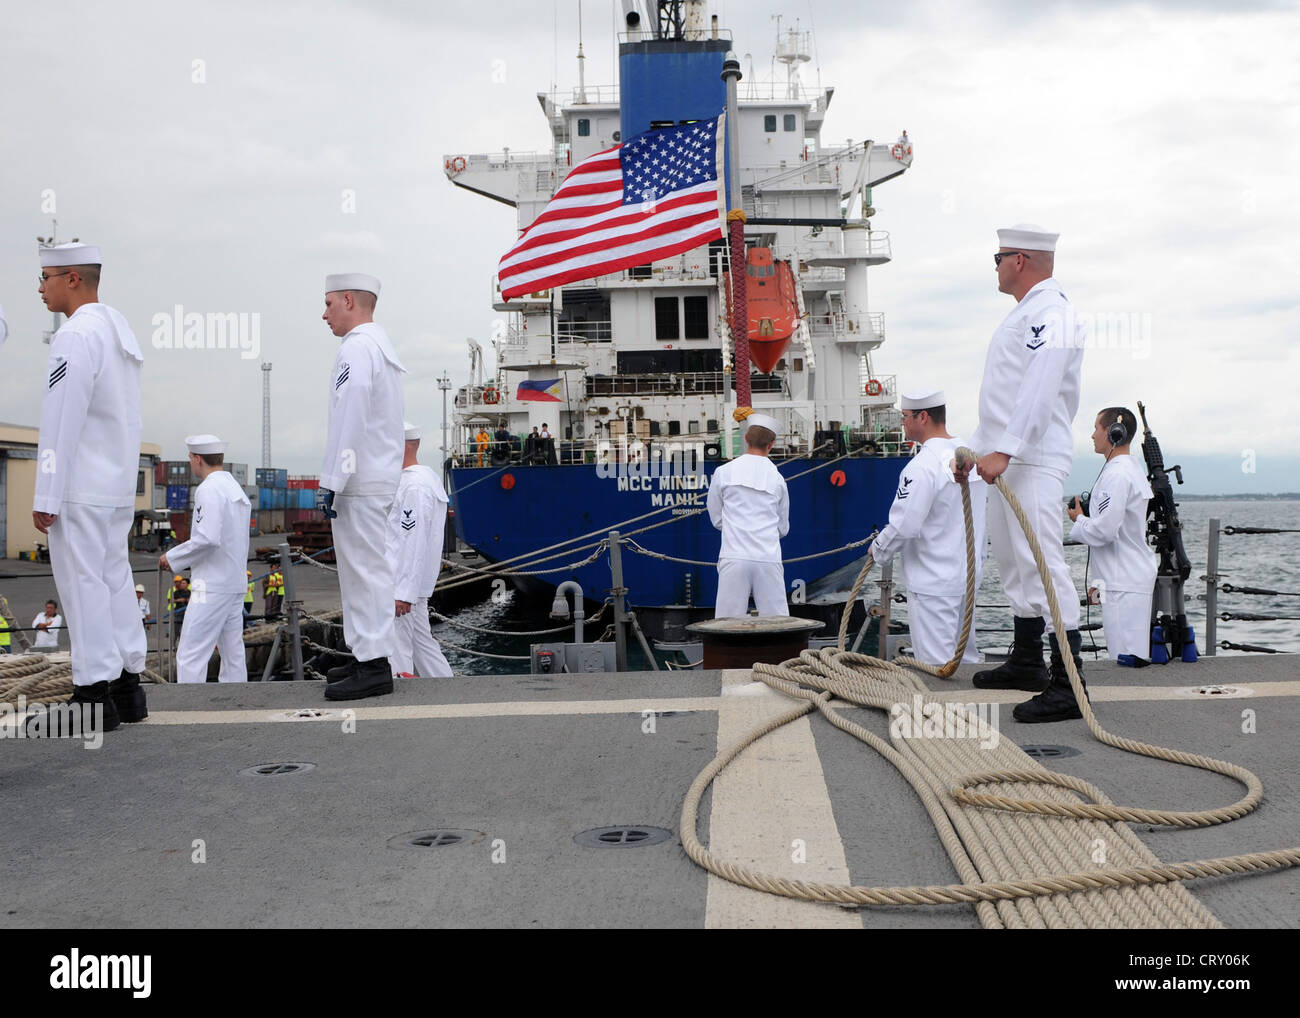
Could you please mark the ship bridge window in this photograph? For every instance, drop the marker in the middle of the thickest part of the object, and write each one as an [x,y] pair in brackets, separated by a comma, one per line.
[789,122]
[769,123]
[666,318]
[681,318]
[696,317]
[584,128]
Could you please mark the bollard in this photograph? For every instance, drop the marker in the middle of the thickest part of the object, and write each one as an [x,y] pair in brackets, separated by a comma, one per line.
[742,642]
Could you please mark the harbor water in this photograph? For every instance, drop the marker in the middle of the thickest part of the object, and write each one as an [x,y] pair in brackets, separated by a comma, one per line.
[1264,561]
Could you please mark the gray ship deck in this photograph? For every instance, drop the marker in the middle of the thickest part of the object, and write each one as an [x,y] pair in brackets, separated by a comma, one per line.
[528,762]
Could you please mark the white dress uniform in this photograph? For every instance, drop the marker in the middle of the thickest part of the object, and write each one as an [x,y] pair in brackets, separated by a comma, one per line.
[217,556]
[88,462]
[1028,399]
[927,528]
[749,503]
[4,327]
[415,532]
[1124,564]
[363,461]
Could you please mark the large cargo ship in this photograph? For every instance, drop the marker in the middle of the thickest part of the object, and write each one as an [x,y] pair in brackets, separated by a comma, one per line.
[629,379]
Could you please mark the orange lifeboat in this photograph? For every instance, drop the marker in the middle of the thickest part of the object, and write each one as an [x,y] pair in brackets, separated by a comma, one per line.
[773,306]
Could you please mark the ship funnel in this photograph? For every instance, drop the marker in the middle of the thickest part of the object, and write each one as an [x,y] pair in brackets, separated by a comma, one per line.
[632,19]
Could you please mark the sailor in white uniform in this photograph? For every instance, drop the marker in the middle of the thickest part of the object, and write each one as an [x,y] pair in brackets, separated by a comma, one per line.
[217,556]
[1115,530]
[927,528]
[88,461]
[1028,399]
[749,503]
[363,462]
[415,531]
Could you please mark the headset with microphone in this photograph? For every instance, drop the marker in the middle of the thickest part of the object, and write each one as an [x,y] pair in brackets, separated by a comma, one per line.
[1117,434]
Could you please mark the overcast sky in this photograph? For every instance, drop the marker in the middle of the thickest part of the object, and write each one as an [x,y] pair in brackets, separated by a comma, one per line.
[226,156]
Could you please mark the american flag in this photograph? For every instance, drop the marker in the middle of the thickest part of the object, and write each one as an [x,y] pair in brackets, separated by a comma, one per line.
[657,195]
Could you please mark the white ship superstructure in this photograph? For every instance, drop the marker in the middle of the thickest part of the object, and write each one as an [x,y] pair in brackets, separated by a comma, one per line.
[646,353]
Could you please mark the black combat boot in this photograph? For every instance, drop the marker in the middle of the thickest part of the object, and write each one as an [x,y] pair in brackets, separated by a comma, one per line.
[128,697]
[341,672]
[372,678]
[56,721]
[1024,668]
[1056,702]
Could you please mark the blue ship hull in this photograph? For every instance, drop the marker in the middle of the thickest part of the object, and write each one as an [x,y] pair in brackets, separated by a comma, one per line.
[508,512]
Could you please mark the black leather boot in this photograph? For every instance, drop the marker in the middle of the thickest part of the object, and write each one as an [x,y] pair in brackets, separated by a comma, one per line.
[128,697]
[1056,702]
[93,703]
[1024,668]
[372,678]
[341,672]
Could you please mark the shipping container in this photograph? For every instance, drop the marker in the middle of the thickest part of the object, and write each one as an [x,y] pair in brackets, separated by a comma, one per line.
[159,500]
[307,498]
[270,521]
[160,473]
[178,497]
[303,482]
[293,518]
[252,523]
[239,471]
[265,498]
[279,496]
[272,477]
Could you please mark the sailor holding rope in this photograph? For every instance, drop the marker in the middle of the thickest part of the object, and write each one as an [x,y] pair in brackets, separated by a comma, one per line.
[363,463]
[927,528]
[1028,399]
[749,503]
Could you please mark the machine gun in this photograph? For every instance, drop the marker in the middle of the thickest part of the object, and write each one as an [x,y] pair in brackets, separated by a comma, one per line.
[1165,535]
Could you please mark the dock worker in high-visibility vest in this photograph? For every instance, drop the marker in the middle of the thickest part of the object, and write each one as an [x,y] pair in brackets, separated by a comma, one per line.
[484,442]
[217,547]
[248,596]
[359,474]
[749,503]
[273,592]
[4,635]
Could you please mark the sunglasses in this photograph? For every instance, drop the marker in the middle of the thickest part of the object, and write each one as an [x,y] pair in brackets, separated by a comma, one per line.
[997,258]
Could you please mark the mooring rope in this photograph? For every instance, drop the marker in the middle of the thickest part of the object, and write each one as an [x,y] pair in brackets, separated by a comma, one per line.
[1030,869]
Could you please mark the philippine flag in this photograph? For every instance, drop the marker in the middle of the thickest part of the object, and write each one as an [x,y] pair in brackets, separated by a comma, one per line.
[539,390]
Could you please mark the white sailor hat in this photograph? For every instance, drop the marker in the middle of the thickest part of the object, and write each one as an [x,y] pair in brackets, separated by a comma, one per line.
[63,255]
[1027,237]
[762,421]
[204,445]
[352,281]
[923,400]
[413,432]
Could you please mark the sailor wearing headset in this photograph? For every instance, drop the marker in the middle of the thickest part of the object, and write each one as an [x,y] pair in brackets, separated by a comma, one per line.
[1113,525]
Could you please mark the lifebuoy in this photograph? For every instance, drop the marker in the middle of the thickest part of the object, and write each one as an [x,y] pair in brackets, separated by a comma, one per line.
[874,388]
[458,164]
[490,394]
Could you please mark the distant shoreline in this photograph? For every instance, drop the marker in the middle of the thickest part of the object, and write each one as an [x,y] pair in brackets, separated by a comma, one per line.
[1286,496]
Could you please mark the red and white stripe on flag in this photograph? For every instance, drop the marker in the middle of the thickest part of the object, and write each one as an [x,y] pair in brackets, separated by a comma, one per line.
[654,196]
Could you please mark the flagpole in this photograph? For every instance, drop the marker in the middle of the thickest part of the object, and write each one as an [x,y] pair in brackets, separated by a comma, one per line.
[736,229]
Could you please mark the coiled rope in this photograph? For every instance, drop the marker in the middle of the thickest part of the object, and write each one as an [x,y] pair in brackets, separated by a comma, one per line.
[1031,870]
